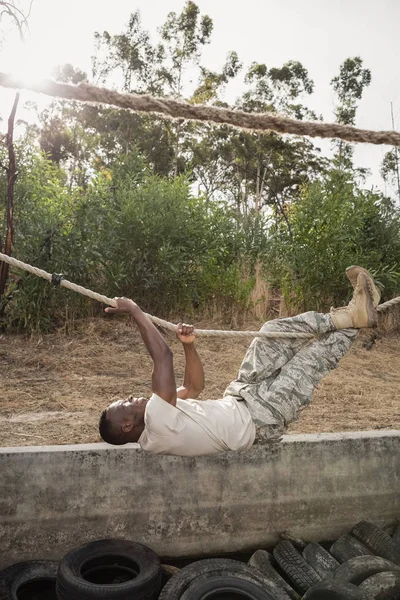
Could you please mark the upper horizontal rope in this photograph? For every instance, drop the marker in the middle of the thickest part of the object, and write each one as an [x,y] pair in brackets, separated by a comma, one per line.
[166,324]
[174,109]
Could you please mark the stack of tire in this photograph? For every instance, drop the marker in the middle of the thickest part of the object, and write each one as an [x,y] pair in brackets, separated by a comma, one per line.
[101,570]
[361,565]
[124,570]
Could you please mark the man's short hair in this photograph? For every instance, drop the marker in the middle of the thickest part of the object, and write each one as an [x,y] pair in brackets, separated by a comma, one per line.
[109,433]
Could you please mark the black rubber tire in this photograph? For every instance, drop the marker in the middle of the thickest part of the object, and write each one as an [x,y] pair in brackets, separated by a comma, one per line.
[379,542]
[382,586]
[357,569]
[227,587]
[320,560]
[329,590]
[190,578]
[297,570]
[167,571]
[263,561]
[347,547]
[260,558]
[25,579]
[396,536]
[298,543]
[135,559]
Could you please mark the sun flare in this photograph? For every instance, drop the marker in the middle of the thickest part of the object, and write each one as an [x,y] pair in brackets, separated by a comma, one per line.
[26,62]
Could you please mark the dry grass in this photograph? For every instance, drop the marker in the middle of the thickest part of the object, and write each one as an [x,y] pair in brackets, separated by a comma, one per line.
[53,388]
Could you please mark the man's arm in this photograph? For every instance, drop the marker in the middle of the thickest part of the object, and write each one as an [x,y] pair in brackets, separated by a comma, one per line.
[163,378]
[193,383]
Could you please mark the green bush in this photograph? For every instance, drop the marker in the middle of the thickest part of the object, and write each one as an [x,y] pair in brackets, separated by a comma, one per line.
[333,225]
[131,233]
[128,233]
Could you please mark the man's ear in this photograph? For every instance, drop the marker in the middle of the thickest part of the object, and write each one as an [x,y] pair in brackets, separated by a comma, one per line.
[127,427]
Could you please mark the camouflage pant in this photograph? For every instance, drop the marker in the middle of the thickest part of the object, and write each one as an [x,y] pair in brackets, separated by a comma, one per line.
[278,376]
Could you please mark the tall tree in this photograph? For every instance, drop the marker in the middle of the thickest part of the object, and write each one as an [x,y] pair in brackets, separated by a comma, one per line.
[349,86]
[130,57]
[135,64]
[183,37]
[390,169]
[262,169]
[63,136]
[142,66]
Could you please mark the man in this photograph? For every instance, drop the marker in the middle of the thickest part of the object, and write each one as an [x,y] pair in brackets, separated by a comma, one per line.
[275,382]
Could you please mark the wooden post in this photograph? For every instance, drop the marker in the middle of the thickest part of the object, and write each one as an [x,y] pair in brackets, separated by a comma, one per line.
[11,177]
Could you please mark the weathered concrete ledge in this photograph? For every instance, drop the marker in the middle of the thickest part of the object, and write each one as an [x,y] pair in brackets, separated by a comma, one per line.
[315,486]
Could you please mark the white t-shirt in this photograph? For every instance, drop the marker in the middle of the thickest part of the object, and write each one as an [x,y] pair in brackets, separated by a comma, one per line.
[196,427]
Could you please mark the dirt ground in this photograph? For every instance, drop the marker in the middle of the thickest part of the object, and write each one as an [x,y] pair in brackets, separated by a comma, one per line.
[52,388]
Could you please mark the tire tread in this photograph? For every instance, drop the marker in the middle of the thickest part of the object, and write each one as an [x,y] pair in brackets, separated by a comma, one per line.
[382,586]
[396,536]
[377,540]
[347,547]
[262,561]
[300,574]
[180,583]
[320,560]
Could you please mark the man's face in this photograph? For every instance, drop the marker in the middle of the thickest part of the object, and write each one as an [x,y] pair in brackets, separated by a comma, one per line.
[128,413]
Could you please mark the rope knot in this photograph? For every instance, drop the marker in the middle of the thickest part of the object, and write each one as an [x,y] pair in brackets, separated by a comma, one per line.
[56,279]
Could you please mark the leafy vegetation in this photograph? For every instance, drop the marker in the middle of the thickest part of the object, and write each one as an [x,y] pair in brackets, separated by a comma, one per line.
[179,215]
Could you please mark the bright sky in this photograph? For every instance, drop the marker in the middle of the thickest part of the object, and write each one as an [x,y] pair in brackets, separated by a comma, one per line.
[319,33]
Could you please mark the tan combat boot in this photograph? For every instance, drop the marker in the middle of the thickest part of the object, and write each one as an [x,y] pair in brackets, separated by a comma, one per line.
[361,311]
[352,274]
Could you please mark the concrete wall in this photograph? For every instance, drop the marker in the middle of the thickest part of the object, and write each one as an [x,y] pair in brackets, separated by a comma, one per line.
[314,486]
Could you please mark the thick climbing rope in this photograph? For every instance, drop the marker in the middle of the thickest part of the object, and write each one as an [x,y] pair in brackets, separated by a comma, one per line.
[166,324]
[174,109]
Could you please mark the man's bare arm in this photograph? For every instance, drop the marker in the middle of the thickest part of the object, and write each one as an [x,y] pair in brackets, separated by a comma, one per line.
[193,383]
[163,378]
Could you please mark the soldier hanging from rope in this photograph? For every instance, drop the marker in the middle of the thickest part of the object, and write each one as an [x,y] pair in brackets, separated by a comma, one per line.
[275,382]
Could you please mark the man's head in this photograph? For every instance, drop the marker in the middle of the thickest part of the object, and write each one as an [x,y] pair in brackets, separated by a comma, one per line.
[123,421]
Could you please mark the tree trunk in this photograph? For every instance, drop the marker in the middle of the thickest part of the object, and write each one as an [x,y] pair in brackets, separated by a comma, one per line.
[176,149]
[11,177]
[262,186]
[396,155]
[258,185]
[281,209]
